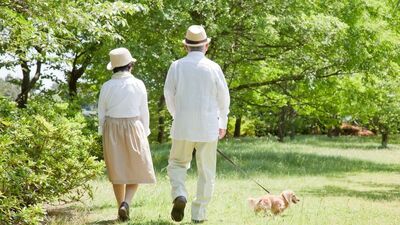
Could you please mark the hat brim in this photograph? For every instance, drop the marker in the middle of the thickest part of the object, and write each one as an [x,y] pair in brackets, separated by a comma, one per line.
[196,45]
[110,67]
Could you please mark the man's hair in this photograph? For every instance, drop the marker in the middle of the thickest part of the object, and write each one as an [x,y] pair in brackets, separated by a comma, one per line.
[123,68]
[196,48]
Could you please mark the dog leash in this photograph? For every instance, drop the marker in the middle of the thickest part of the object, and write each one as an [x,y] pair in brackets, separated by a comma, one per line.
[241,170]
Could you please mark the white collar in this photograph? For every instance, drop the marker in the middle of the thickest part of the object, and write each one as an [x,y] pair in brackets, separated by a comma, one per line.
[122,74]
[196,53]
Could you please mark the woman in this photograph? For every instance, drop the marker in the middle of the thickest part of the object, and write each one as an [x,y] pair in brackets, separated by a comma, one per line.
[124,124]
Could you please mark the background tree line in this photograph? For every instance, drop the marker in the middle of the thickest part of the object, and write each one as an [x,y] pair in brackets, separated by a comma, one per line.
[291,66]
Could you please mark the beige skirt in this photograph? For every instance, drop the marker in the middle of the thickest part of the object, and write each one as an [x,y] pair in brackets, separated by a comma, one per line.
[127,152]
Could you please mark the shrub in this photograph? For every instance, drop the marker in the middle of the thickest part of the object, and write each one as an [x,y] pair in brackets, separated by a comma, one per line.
[44,157]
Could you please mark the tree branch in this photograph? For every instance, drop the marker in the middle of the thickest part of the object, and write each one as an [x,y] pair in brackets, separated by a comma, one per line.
[298,77]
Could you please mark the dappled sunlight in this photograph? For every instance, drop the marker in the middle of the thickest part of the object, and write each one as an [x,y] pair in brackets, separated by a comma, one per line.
[331,187]
[391,194]
[105,222]
[277,163]
[276,159]
[372,155]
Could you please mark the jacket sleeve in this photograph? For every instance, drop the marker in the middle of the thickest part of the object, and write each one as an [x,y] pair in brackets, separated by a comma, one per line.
[101,107]
[170,89]
[144,111]
[223,99]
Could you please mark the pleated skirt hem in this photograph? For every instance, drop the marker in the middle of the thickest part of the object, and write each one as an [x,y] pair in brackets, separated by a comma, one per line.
[126,152]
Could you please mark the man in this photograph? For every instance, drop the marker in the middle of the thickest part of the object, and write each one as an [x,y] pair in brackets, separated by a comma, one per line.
[198,99]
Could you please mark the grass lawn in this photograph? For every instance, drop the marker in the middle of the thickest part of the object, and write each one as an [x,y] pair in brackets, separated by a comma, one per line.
[343,181]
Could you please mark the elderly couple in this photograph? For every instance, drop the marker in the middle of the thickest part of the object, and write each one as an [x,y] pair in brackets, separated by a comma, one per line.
[197,97]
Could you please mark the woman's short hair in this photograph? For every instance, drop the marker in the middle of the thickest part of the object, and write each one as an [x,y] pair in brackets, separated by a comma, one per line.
[123,68]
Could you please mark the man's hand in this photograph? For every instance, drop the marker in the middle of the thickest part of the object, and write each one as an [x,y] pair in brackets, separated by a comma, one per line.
[222,133]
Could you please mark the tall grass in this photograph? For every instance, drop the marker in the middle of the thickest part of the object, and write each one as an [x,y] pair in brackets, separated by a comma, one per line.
[339,181]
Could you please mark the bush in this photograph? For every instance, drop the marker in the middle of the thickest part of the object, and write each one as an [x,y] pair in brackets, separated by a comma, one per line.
[44,157]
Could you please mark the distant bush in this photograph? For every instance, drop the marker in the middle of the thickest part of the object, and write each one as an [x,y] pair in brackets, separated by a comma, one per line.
[44,157]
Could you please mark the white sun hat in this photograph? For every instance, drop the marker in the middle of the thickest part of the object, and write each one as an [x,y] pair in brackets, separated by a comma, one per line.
[196,36]
[119,57]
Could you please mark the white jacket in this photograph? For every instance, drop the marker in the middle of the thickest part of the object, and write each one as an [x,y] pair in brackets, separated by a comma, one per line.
[197,97]
[123,96]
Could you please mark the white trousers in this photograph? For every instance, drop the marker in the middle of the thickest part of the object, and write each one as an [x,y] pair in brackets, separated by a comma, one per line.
[178,164]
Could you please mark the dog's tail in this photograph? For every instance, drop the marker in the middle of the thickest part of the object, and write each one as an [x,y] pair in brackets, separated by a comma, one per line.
[252,202]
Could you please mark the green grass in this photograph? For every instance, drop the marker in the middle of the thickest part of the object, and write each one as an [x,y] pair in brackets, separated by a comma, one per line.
[342,181]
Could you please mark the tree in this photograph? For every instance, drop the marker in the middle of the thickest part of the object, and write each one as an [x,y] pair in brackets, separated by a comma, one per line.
[64,35]
[291,66]
[268,49]
[89,25]
[371,94]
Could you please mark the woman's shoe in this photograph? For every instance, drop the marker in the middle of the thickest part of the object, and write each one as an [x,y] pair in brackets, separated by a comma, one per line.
[123,211]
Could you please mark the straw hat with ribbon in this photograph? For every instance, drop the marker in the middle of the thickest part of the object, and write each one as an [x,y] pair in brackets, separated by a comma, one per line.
[196,36]
[119,57]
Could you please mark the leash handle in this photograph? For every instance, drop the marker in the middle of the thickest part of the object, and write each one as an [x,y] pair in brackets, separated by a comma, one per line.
[241,170]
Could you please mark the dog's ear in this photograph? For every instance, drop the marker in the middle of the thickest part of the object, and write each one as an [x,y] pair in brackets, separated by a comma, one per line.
[287,196]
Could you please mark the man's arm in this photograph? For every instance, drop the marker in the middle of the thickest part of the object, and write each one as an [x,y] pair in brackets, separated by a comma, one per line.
[223,100]
[144,111]
[170,89]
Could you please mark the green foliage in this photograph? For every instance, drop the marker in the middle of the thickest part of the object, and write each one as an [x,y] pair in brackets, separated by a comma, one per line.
[64,35]
[302,64]
[56,26]
[44,157]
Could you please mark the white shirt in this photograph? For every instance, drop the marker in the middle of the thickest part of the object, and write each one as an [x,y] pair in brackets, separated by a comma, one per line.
[197,97]
[123,96]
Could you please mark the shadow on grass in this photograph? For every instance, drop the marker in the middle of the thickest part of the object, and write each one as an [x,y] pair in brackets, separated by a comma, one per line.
[343,142]
[294,163]
[255,160]
[63,212]
[375,195]
[151,222]
[342,145]
[132,222]
[378,185]
[104,222]
[340,142]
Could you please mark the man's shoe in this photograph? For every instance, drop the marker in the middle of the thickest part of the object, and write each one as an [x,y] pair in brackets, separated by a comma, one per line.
[178,210]
[123,211]
[198,221]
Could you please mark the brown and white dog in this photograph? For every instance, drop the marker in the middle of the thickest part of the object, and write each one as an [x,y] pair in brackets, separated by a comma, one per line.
[272,203]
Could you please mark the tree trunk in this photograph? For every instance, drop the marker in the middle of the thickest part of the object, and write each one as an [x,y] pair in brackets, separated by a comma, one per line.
[385,139]
[281,124]
[72,84]
[292,126]
[27,83]
[330,133]
[161,119]
[22,97]
[238,124]
[292,131]
[75,74]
